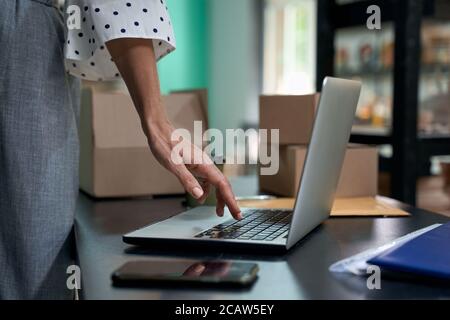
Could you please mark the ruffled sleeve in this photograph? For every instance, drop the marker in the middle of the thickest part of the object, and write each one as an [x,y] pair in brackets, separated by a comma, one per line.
[102,20]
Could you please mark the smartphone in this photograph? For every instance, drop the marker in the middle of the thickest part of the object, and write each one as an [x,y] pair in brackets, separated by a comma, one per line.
[185,272]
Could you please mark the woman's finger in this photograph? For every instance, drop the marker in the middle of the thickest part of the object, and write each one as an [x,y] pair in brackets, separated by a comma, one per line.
[206,189]
[220,204]
[229,198]
[188,181]
[195,270]
[223,188]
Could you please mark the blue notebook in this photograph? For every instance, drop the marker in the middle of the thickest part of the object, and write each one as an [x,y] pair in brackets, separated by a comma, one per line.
[427,255]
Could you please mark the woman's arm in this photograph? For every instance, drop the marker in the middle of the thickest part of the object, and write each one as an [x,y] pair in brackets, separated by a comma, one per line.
[135,59]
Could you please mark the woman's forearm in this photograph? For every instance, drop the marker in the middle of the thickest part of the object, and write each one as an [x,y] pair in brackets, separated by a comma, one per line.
[135,59]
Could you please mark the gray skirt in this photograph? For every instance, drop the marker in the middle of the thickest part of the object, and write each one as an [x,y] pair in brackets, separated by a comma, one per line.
[38,152]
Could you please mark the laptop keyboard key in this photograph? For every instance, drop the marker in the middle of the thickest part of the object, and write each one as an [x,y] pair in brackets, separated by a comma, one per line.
[256,225]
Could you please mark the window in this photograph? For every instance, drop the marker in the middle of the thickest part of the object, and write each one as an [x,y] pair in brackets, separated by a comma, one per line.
[289,61]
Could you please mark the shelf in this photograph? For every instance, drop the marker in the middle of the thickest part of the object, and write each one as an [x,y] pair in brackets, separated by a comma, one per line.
[370,130]
[433,144]
[366,72]
[370,139]
[410,148]
[384,72]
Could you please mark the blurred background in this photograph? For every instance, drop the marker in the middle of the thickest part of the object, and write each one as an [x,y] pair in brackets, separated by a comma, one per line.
[239,49]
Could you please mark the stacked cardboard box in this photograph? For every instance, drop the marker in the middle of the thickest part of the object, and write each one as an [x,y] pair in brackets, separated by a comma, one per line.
[294,116]
[115,159]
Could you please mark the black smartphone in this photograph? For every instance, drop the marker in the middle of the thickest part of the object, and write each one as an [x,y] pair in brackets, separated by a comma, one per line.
[187,272]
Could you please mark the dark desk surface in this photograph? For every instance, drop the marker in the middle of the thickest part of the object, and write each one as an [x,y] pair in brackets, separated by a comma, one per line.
[302,273]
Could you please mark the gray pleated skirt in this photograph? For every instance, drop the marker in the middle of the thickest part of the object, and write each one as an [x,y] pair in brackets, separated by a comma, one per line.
[39,105]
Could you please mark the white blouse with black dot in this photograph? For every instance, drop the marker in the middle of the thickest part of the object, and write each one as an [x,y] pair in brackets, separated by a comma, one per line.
[102,20]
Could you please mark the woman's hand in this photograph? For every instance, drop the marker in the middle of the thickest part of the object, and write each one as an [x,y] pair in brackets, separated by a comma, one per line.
[197,177]
[135,59]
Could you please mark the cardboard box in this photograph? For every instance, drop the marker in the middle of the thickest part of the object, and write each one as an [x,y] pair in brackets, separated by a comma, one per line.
[202,95]
[293,115]
[359,175]
[115,160]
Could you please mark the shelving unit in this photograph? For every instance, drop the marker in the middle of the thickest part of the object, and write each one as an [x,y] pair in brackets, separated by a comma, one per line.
[411,149]
[381,72]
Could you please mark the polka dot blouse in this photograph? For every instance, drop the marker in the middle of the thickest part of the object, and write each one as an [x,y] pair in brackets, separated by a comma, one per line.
[102,20]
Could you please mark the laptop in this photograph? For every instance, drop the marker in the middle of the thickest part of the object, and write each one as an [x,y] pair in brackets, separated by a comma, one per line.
[277,229]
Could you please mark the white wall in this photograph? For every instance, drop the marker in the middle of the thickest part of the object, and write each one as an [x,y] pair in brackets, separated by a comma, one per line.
[234,62]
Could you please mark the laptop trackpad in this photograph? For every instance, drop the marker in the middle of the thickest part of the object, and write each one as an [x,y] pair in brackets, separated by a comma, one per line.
[184,225]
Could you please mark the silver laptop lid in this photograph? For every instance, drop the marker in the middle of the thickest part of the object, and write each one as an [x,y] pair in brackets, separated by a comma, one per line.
[325,155]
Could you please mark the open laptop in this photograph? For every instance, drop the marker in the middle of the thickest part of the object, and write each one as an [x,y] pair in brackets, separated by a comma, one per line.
[278,229]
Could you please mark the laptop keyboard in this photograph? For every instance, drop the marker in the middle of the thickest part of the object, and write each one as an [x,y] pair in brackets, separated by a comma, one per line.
[261,224]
